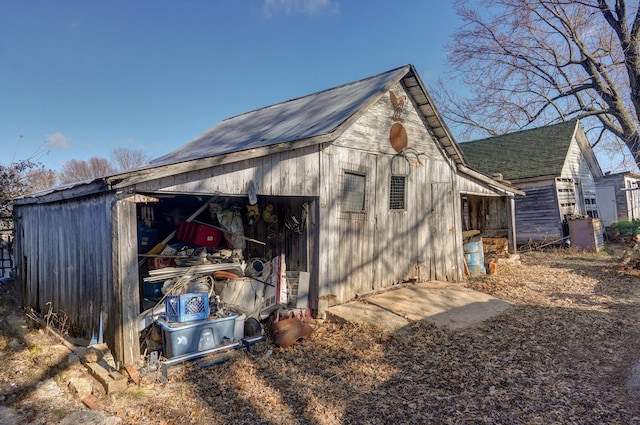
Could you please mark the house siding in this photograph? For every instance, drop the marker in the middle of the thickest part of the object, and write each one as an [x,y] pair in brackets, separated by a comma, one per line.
[577,168]
[627,202]
[537,214]
[632,198]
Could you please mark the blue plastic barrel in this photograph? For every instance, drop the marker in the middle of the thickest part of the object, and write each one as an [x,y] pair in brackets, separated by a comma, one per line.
[474,256]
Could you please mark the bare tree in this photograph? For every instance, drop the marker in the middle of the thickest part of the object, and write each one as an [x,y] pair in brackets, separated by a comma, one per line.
[125,159]
[40,179]
[535,62]
[75,170]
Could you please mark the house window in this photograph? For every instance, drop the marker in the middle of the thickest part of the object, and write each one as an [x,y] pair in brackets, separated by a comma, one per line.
[353,192]
[397,193]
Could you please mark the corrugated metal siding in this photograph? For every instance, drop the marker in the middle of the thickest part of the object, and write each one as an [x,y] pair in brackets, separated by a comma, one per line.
[63,257]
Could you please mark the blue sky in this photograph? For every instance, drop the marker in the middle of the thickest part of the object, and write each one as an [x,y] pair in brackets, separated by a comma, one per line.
[81,78]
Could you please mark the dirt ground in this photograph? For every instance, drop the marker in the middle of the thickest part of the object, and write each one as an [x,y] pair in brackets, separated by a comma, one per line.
[564,353]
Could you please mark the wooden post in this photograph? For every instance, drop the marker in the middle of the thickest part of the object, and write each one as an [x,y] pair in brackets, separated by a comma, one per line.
[511,218]
[126,294]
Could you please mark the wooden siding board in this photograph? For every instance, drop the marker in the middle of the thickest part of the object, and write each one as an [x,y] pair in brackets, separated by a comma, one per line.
[537,214]
[327,214]
[577,167]
[470,186]
[356,231]
[489,215]
[57,239]
[442,223]
[291,173]
[623,198]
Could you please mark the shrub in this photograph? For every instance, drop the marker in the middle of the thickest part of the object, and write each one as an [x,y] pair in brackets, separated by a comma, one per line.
[625,228]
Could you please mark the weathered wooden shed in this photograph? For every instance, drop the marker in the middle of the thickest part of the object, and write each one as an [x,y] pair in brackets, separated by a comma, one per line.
[618,197]
[554,165]
[369,169]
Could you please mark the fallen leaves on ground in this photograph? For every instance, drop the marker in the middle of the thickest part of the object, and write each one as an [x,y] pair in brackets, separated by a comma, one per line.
[561,354]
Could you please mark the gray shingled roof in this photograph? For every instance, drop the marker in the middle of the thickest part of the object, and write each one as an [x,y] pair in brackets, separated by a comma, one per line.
[297,119]
[524,154]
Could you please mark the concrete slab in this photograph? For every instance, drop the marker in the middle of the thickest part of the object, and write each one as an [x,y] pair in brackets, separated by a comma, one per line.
[368,314]
[443,304]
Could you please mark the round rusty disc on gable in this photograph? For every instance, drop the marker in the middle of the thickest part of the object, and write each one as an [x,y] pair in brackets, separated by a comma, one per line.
[398,137]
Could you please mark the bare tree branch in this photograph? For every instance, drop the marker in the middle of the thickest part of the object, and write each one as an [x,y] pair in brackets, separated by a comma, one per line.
[534,62]
[77,170]
[126,159]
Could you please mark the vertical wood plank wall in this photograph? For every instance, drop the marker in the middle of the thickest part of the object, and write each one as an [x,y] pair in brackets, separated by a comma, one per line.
[382,247]
[64,258]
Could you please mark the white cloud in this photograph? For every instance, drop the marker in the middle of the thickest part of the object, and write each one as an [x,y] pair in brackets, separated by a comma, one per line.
[301,7]
[58,140]
[131,142]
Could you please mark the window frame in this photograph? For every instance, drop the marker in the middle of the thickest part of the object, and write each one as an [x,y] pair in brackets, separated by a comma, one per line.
[346,204]
[393,190]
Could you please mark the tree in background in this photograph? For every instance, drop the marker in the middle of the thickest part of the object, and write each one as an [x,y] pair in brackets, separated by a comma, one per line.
[12,184]
[536,62]
[78,170]
[124,159]
[40,178]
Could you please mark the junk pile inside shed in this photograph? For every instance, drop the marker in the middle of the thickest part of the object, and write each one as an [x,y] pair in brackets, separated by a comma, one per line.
[213,272]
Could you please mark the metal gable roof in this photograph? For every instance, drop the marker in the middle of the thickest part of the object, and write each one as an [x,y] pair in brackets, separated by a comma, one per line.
[303,118]
[524,154]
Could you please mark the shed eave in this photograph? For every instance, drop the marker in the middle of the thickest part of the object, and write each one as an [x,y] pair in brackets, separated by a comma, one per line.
[535,179]
[416,88]
[501,188]
[148,174]
[63,193]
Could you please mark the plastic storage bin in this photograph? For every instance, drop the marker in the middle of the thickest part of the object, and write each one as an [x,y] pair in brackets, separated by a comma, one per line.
[187,338]
[199,234]
[187,307]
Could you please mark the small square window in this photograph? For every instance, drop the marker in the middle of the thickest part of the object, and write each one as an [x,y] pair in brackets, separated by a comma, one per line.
[353,192]
[397,193]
